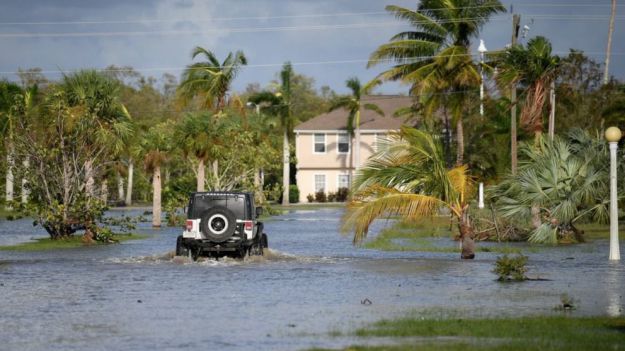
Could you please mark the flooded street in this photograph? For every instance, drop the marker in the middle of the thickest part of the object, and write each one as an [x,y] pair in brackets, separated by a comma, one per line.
[134,296]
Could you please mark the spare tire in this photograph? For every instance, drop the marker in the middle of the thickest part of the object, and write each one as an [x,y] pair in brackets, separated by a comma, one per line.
[218,224]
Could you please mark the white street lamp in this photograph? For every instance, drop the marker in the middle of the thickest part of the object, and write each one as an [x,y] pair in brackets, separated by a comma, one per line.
[482,49]
[613,135]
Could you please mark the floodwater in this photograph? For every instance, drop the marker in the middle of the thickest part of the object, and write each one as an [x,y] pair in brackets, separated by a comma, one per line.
[135,296]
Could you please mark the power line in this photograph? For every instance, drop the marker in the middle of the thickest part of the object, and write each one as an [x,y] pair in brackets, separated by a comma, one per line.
[281,28]
[265,18]
[305,63]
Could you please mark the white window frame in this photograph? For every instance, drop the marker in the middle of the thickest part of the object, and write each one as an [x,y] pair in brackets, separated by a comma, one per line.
[325,144]
[338,181]
[338,139]
[325,182]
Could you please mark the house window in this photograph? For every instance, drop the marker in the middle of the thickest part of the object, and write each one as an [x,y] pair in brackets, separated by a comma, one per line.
[343,143]
[343,181]
[320,182]
[319,143]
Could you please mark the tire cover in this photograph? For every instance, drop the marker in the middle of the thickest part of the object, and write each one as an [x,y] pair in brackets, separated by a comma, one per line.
[218,224]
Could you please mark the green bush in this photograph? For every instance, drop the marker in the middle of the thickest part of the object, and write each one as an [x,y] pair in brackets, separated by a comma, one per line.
[511,268]
[320,196]
[342,194]
[331,197]
[293,194]
[310,198]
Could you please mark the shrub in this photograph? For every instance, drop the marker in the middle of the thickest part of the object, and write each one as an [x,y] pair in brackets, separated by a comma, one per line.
[331,197]
[310,197]
[342,194]
[293,194]
[320,196]
[511,268]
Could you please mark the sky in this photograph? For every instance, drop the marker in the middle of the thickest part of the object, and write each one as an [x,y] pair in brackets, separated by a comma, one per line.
[329,40]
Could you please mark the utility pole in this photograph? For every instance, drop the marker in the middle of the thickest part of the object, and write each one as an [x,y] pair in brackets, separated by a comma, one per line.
[516,25]
[606,74]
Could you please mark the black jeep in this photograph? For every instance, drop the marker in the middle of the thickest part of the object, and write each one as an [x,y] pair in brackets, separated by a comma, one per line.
[222,224]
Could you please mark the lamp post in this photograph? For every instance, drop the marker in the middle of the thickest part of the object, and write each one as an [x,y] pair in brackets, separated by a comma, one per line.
[613,135]
[481,49]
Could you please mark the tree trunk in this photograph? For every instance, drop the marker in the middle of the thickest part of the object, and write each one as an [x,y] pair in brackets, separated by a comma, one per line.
[513,132]
[552,110]
[120,188]
[25,192]
[466,238]
[357,148]
[536,220]
[216,182]
[286,171]
[447,138]
[608,49]
[156,197]
[104,191]
[9,177]
[460,140]
[201,175]
[131,168]
[89,185]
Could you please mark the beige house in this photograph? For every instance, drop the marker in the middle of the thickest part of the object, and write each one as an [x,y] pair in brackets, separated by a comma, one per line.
[323,149]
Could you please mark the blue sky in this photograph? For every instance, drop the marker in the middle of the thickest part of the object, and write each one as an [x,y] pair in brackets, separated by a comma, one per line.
[329,40]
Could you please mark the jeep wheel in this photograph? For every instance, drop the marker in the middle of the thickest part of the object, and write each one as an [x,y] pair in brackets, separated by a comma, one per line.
[264,242]
[181,249]
[218,224]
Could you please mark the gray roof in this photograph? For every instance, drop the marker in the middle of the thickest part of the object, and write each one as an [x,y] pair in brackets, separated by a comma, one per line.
[369,120]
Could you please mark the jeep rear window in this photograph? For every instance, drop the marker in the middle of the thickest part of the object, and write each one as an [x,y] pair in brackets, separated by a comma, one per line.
[202,202]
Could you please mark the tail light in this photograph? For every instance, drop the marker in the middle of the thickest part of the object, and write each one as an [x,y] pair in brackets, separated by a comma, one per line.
[189,225]
[248,225]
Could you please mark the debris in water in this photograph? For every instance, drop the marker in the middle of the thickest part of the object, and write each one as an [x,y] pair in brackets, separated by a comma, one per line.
[366,302]
[139,301]
[292,325]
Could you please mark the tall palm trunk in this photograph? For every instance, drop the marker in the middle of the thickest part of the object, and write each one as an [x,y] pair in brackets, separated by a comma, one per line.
[513,132]
[460,142]
[25,192]
[156,197]
[286,171]
[201,175]
[9,176]
[120,188]
[357,131]
[104,191]
[216,181]
[131,169]
[608,49]
[90,183]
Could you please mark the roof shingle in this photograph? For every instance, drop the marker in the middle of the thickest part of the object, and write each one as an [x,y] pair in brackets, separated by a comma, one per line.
[369,120]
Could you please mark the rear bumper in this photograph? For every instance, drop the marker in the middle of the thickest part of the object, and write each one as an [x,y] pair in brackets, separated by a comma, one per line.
[210,246]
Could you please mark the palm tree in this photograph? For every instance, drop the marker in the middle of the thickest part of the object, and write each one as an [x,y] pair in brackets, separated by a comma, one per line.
[9,93]
[353,106]
[435,59]
[202,135]
[534,68]
[210,80]
[280,103]
[410,179]
[567,179]
[96,98]
[156,145]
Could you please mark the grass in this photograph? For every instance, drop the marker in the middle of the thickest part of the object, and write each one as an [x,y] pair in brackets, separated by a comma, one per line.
[418,237]
[70,243]
[535,333]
